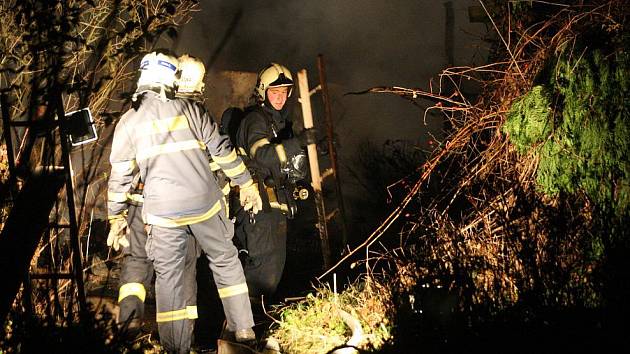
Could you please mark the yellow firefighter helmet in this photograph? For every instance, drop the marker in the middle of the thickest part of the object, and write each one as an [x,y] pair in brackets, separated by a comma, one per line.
[192,73]
[274,75]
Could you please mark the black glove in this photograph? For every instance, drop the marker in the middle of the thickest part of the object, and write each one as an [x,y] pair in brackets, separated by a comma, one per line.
[307,136]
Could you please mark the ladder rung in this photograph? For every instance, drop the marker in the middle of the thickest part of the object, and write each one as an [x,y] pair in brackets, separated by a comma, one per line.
[61,226]
[331,214]
[52,276]
[327,172]
[314,90]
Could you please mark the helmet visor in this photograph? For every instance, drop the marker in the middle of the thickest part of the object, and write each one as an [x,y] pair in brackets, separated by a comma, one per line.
[282,80]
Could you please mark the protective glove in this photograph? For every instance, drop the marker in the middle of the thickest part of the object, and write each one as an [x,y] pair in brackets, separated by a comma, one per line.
[117,236]
[307,136]
[250,198]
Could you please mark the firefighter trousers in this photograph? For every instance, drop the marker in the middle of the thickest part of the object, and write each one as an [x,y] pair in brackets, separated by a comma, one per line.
[136,271]
[166,246]
[266,243]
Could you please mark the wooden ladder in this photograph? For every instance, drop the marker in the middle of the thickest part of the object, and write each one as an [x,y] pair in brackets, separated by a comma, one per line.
[318,177]
[29,207]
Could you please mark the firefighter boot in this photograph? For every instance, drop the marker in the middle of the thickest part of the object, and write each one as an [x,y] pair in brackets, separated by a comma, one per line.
[246,335]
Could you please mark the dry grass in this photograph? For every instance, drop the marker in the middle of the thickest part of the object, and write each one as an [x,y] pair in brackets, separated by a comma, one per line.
[487,233]
[314,325]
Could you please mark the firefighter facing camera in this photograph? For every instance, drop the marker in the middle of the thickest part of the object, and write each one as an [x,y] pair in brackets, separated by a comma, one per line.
[168,139]
[275,157]
[273,88]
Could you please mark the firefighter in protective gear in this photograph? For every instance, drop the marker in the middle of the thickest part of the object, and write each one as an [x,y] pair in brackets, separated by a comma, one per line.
[266,136]
[137,270]
[169,140]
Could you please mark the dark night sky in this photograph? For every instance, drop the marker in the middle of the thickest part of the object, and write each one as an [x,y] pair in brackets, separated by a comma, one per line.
[366,43]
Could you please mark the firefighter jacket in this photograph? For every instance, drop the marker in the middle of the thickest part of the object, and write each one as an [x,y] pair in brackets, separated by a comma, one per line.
[266,135]
[169,141]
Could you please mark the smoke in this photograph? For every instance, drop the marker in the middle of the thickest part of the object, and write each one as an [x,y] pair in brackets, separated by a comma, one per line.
[365,43]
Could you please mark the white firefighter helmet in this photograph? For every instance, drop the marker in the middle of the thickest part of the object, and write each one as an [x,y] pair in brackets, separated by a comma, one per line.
[192,72]
[158,69]
[274,75]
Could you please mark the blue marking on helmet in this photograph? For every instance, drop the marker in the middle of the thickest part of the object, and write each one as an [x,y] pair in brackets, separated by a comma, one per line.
[167,65]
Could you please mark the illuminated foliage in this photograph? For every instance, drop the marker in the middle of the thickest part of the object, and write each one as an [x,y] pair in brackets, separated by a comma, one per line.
[584,145]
